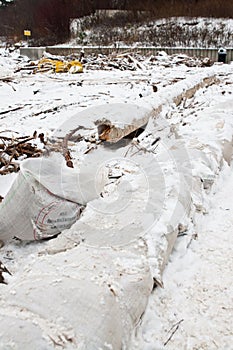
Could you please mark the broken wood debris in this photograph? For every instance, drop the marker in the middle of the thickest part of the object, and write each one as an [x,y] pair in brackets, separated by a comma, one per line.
[134,61]
[157,283]
[174,328]
[68,159]
[6,79]
[122,62]
[11,110]
[12,149]
[31,66]
[3,270]
[135,144]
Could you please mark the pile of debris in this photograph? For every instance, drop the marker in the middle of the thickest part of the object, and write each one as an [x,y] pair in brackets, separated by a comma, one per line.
[134,61]
[124,61]
[13,149]
[120,61]
[165,60]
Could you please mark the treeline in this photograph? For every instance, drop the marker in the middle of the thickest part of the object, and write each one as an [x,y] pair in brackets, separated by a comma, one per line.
[49,20]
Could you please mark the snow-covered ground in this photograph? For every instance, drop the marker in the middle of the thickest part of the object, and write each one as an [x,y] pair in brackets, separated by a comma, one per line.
[196,301]
[194,309]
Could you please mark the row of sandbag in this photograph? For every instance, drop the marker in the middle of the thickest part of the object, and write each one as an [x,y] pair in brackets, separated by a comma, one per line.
[100,272]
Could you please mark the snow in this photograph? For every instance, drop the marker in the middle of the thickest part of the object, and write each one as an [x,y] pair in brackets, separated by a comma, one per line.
[197,294]
[197,285]
[198,280]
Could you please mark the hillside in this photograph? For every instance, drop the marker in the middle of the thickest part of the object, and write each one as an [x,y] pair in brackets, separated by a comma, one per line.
[117,29]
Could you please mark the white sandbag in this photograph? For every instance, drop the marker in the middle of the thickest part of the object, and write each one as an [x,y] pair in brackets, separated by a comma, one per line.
[106,286]
[126,213]
[46,198]
[93,300]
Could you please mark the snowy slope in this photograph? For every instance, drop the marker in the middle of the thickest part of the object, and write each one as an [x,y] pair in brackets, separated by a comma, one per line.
[173,32]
